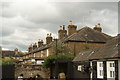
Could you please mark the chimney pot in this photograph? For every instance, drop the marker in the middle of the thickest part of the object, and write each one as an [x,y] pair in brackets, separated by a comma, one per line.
[60,27]
[70,22]
[98,25]
[63,27]
[50,34]
[47,35]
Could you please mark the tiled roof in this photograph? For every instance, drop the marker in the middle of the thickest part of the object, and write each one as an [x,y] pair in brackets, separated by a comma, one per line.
[89,35]
[84,34]
[9,53]
[86,55]
[108,51]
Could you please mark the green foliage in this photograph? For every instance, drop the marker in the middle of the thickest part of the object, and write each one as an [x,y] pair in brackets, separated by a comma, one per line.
[49,60]
[6,62]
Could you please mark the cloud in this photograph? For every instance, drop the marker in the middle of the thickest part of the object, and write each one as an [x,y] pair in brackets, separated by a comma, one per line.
[24,22]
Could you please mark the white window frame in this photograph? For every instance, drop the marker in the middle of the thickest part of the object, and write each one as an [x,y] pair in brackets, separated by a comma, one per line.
[110,69]
[47,52]
[80,68]
[100,71]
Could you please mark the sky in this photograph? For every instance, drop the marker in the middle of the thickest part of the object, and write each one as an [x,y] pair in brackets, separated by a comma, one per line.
[23,22]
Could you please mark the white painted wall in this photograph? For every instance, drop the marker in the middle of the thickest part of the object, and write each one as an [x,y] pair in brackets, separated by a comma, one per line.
[100,70]
[109,69]
[40,62]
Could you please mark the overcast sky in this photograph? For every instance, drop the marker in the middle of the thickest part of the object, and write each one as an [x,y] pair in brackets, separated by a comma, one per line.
[25,21]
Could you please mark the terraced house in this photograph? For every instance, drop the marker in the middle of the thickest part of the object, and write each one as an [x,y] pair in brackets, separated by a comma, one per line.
[75,40]
[100,63]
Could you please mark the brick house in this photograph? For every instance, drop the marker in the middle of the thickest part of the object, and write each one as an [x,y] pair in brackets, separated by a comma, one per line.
[102,63]
[75,40]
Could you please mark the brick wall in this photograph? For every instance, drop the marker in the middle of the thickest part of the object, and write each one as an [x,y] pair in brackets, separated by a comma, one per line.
[80,46]
[27,69]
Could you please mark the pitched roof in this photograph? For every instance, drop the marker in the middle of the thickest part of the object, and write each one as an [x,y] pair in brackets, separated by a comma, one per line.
[82,35]
[108,51]
[86,55]
[9,53]
[41,48]
[89,35]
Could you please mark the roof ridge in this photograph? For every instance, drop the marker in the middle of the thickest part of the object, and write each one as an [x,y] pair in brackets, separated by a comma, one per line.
[78,31]
[84,28]
[104,34]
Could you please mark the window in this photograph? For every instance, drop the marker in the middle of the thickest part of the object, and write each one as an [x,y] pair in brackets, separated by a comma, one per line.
[101,72]
[81,68]
[112,74]
[110,69]
[112,65]
[101,64]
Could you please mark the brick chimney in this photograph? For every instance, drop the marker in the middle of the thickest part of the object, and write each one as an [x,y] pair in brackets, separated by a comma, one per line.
[16,51]
[30,48]
[40,43]
[49,38]
[62,32]
[34,46]
[98,28]
[71,28]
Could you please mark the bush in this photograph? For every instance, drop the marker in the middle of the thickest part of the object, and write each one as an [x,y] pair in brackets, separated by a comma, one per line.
[6,62]
[49,60]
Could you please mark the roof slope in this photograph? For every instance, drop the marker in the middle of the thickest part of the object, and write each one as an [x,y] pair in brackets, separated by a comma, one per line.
[9,53]
[108,51]
[84,34]
[86,55]
[89,35]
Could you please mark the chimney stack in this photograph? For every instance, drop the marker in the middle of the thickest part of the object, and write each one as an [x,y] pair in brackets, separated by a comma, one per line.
[98,28]
[49,38]
[40,43]
[62,32]
[16,51]
[30,48]
[34,46]
[71,28]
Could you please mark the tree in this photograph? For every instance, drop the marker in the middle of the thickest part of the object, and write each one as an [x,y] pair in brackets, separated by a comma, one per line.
[61,51]
[49,60]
